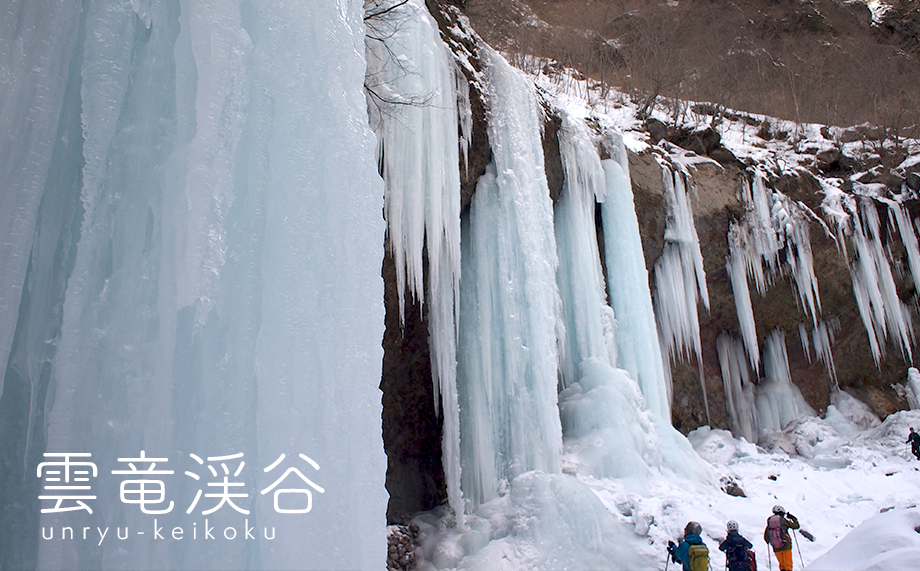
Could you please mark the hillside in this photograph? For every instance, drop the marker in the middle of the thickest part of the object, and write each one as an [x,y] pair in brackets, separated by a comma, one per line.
[826,61]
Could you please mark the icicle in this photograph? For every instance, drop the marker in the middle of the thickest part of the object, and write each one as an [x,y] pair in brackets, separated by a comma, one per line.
[804,338]
[913,386]
[823,337]
[417,147]
[509,297]
[586,315]
[737,265]
[680,281]
[638,348]
[778,399]
[772,224]
[465,112]
[794,226]
[908,238]
[874,287]
[739,391]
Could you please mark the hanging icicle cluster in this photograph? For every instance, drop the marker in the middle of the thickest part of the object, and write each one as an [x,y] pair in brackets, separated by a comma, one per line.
[772,238]
[680,280]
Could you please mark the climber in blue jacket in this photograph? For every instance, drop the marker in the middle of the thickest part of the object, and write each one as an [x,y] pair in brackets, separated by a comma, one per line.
[681,553]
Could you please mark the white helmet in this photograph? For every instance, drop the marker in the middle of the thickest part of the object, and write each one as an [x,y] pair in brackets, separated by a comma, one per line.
[731,526]
[779,510]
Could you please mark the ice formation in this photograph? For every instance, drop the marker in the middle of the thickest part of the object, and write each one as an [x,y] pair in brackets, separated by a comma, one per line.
[777,399]
[204,277]
[821,339]
[908,238]
[638,351]
[589,321]
[680,280]
[32,101]
[739,389]
[772,225]
[413,105]
[883,314]
[913,385]
[509,421]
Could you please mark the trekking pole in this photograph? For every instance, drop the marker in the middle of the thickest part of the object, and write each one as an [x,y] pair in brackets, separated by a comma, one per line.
[796,540]
[769,559]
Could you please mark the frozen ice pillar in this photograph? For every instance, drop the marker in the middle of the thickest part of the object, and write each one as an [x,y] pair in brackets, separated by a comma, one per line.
[225,298]
[638,349]
[589,321]
[777,399]
[509,420]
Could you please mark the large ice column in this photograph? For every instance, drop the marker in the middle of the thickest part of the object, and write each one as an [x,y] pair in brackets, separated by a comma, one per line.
[318,352]
[226,296]
[638,349]
[509,301]
[680,280]
[778,399]
[413,106]
[589,321]
[36,45]
[219,49]
[883,313]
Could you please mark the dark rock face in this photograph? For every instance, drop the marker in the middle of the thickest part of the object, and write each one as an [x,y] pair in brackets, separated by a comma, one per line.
[411,430]
[552,161]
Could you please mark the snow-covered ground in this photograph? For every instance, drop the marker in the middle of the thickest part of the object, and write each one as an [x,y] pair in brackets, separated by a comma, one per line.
[857,495]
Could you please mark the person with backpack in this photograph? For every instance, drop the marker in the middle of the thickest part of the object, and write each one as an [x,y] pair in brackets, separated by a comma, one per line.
[738,554]
[914,440]
[691,552]
[777,535]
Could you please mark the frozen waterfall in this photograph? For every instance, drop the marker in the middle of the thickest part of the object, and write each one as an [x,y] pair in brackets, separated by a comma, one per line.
[883,313]
[772,224]
[639,351]
[509,421]
[198,224]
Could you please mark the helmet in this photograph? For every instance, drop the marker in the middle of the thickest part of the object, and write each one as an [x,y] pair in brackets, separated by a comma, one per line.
[693,528]
[779,510]
[731,526]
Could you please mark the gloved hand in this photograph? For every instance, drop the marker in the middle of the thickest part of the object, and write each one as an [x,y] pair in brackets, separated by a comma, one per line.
[671,548]
[790,516]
